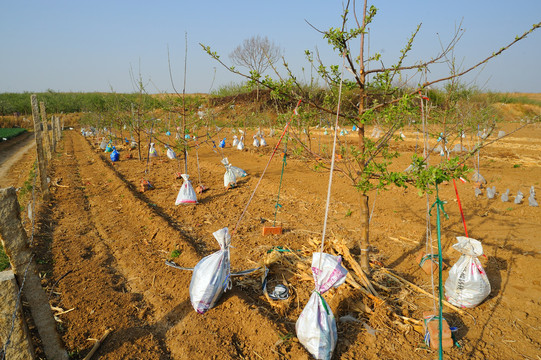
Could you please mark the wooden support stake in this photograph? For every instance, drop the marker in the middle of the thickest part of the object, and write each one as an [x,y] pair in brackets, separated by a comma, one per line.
[17,248]
[46,138]
[42,158]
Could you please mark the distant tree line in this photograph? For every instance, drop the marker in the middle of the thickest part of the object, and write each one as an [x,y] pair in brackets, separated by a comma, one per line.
[71,102]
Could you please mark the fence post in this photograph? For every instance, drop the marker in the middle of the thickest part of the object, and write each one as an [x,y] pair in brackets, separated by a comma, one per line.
[53,135]
[17,248]
[58,128]
[42,158]
[47,139]
[13,329]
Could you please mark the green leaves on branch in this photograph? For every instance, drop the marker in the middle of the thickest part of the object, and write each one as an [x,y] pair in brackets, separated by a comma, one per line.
[425,178]
[338,38]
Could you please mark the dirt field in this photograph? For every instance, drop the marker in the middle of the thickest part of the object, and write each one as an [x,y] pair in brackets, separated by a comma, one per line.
[110,243]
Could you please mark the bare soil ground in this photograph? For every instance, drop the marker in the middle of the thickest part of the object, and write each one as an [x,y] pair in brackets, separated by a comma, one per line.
[105,243]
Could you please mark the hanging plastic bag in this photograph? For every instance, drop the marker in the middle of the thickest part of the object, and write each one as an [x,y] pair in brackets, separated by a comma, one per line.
[256,141]
[114,155]
[152,152]
[316,326]
[230,179]
[186,194]
[103,144]
[263,142]
[171,153]
[211,275]
[467,285]
[235,141]
[240,145]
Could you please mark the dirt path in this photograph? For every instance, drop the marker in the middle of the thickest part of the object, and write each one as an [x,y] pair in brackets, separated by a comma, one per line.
[11,152]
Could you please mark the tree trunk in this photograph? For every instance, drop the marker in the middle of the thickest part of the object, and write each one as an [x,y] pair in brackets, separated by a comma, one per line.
[365,212]
[365,226]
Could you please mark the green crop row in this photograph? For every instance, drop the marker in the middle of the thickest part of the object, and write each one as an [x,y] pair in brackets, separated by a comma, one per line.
[10,133]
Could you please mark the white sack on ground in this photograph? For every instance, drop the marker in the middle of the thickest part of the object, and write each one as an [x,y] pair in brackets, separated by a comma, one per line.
[230,179]
[211,275]
[235,141]
[316,326]
[240,145]
[478,178]
[256,141]
[467,285]
[186,194]
[263,142]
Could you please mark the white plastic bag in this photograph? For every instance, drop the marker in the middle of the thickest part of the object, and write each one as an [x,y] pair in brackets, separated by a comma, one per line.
[316,326]
[230,179]
[103,144]
[152,151]
[211,275]
[263,142]
[239,173]
[235,141]
[186,194]
[467,285]
[171,154]
[240,145]
[256,141]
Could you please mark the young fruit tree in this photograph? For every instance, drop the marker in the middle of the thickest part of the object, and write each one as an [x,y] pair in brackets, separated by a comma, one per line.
[385,99]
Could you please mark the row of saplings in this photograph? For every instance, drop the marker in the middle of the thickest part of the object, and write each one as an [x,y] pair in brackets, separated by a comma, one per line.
[467,285]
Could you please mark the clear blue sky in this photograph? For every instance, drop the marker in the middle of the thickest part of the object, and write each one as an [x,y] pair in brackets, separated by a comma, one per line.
[91,45]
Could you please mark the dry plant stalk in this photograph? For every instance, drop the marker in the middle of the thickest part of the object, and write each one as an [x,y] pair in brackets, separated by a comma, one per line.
[97,345]
[417,288]
[341,248]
